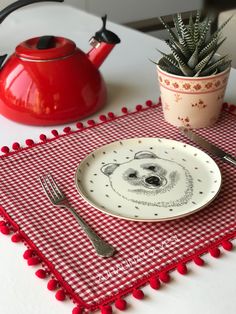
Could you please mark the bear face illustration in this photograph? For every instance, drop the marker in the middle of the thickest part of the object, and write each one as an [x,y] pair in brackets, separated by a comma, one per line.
[150,180]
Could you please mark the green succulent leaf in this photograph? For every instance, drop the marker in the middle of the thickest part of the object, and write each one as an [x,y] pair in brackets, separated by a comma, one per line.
[186,70]
[197,27]
[193,47]
[213,66]
[169,58]
[201,65]
[191,25]
[204,34]
[167,27]
[193,61]
[208,48]
[185,33]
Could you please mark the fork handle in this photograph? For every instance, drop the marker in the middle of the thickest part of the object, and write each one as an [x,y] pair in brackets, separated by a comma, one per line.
[101,247]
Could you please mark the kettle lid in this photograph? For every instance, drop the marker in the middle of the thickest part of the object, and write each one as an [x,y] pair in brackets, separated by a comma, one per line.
[45,48]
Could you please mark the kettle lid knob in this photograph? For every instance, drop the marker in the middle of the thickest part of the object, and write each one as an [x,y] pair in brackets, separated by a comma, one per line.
[45,48]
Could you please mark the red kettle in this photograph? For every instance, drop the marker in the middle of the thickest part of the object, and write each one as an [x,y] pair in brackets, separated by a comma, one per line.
[48,80]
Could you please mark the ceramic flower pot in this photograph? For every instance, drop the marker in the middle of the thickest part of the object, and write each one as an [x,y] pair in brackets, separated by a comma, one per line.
[192,102]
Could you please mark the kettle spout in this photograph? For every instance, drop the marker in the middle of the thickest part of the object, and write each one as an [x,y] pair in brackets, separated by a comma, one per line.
[102,42]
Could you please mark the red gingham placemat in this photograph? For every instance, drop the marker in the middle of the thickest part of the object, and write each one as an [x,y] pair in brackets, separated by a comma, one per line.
[146,251]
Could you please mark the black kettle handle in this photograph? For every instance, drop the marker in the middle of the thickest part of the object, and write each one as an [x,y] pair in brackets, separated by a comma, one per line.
[18,4]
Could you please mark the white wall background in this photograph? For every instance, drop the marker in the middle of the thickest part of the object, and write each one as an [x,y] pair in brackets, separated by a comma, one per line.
[122,11]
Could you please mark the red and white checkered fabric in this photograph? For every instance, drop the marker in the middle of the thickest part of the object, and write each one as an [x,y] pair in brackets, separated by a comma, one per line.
[143,249]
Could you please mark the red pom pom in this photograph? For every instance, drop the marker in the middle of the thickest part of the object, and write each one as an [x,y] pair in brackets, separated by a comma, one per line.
[2,223]
[60,295]
[227,245]
[102,117]
[215,252]
[16,237]
[52,284]
[139,107]
[91,122]
[138,294]
[164,277]
[77,310]
[28,253]
[225,105]
[5,149]
[33,261]
[79,125]
[198,261]
[42,137]
[149,103]
[15,146]
[54,133]
[182,269]
[4,230]
[67,129]
[232,108]
[29,142]
[106,309]
[111,115]
[155,283]
[41,273]
[120,304]
[124,110]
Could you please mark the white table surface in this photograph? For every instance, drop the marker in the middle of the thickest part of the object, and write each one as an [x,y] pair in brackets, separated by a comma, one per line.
[131,79]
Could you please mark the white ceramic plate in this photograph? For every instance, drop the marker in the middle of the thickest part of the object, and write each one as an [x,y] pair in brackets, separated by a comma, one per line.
[148,179]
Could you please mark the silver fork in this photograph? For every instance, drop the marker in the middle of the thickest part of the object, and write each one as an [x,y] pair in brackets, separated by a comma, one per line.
[58,198]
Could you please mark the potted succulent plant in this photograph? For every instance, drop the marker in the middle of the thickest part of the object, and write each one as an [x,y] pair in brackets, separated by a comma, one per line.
[193,77]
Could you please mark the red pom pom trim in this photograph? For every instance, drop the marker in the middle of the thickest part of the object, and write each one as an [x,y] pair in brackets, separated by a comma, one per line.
[155,283]
[111,115]
[54,133]
[215,252]
[29,142]
[103,118]
[4,230]
[60,295]
[106,309]
[91,122]
[28,253]
[52,284]
[15,146]
[43,137]
[121,304]
[124,110]
[67,129]
[227,245]
[139,107]
[77,310]
[149,103]
[138,294]
[2,223]
[5,149]
[164,277]
[198,261]
[79,125]
[16,237]
[182,269]
[33,261]
[225,105]
[41,273]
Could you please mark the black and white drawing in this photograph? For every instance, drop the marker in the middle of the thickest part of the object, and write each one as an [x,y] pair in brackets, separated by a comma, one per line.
[149,180]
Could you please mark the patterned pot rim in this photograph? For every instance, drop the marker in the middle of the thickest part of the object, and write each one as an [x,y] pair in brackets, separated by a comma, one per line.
[192,78]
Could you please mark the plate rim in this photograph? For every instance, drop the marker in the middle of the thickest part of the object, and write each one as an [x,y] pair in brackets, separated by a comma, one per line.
[139,219]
